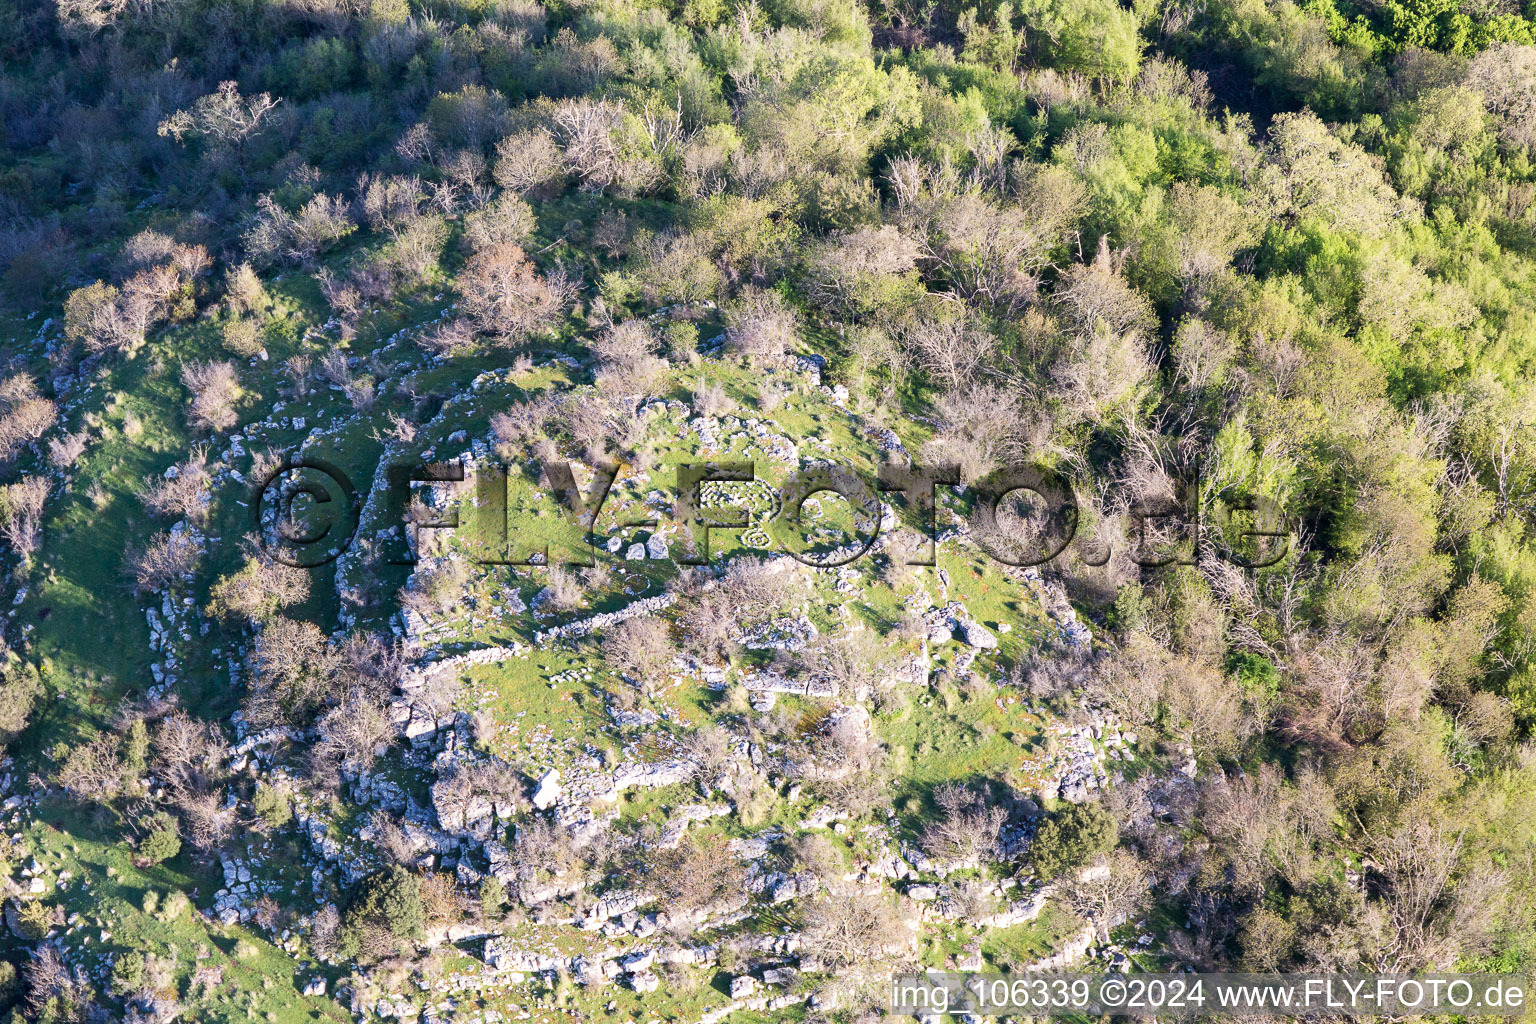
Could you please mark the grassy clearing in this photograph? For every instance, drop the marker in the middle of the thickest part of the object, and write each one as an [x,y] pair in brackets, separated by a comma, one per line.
[116,907]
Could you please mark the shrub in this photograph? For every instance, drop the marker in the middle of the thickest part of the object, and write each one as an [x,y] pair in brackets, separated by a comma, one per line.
[854,926]
[223,116]
[682,341]
[436,587]
[1097,38]
[128,973]
[865,272]
[161,842]
[519,425]
[243,291]
[1071,838]
[256,593]
[173,906]
[710,400]
[10,983]
[493,896]
[272,806]
[386,910]
[604,146]
[562,590]
[313,68]
[93,317]
[20,688]
[640,647]
[1505,77]
[472,116]
[34,917]
[242,338]
[136,749]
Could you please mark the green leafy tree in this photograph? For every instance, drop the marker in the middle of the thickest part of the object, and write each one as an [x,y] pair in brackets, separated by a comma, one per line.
[1097,38]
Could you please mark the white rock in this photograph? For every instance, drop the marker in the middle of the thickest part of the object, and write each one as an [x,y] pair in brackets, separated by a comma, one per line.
[548,791]
[976,634]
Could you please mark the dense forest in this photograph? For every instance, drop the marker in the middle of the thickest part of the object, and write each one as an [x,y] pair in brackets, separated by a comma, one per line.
[1208,253]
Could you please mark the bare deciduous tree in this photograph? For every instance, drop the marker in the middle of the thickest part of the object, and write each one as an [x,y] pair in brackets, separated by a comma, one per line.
[697,874]
[1504,75]
[504,296]
[223,115]
[350,735]
[855,926]
[24,415]
[760,325]
[215,388]
[528,162]
[966,828]
[951,348]
[1109,890]
[167,557]
[506,220]
[183,492]
[857,659]
[593,136]
[291,673]
[299,237]
[642,648]
[628,363]
[188,753]
[21,515]
[1437,906]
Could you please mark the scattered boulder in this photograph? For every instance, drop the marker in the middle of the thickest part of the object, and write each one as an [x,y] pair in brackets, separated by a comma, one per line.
[975,634]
